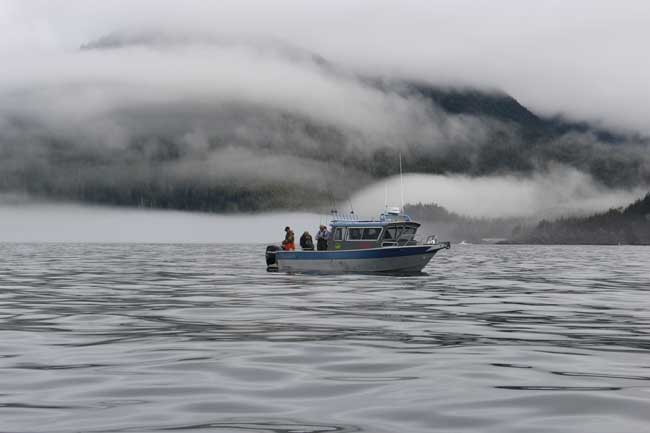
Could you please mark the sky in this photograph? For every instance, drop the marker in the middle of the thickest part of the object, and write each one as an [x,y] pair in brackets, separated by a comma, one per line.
[583,58]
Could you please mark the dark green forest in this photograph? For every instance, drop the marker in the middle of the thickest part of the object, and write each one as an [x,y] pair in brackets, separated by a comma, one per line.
[629,226]
[250,152]
[450,226]
[512,140]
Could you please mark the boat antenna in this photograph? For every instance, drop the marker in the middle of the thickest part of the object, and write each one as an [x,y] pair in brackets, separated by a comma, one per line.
[348,191]
[401,180]
[330,194]
[385,197]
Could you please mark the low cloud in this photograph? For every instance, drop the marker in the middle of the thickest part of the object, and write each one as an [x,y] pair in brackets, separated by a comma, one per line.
[580,58]
[25,220]
[181,116]
[130,113]
[74,92]
[557,192]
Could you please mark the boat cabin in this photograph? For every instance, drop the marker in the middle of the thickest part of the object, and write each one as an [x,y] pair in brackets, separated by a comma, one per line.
[389,231]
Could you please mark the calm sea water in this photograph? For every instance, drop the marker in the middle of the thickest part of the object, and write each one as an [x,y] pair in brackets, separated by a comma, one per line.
[144,338]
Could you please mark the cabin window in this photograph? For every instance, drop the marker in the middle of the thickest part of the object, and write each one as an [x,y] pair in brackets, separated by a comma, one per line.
[363,233]
[409,231]
[338,234]
[407,234]
[354,234]
[371,233]
[390,234]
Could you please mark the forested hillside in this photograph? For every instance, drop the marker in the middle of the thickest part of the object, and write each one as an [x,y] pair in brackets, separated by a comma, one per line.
[630,226]
[209,148]
[450,226]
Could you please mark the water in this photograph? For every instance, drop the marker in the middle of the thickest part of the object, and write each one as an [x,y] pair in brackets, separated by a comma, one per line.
[144,338]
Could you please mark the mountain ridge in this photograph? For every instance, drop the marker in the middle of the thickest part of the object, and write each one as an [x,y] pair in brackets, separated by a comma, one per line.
[161,160]
[624,225]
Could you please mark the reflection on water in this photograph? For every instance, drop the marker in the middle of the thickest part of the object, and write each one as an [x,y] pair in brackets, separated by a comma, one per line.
[141,338]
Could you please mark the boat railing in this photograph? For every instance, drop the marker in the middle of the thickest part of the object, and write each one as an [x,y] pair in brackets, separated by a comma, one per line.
[408,240]
[349,217]
[430,240]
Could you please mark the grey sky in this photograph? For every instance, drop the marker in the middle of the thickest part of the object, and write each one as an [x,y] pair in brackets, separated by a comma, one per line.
[584,58]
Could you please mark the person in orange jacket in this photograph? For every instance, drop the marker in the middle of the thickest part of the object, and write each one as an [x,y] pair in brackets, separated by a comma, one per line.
[288,244]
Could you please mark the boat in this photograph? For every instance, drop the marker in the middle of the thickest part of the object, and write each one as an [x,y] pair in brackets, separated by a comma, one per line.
[383,245]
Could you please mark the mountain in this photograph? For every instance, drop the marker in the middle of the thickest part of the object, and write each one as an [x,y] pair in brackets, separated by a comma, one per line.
[630,226]
[520,141]
[164,143]
[450,226]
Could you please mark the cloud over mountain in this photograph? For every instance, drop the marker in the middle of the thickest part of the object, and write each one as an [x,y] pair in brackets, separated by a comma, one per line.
[227,119]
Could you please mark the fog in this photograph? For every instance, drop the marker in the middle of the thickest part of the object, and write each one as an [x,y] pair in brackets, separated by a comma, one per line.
[234,106]
[584,57]
[86,95]
[133,110]
[58,222]
[560,192]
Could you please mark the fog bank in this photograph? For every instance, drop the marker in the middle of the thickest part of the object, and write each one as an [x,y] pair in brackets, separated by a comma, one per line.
[39,222]
[557,193]
[583,58]
[250,106]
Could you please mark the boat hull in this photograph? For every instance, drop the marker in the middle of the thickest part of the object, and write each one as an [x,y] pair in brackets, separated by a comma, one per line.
[407,259]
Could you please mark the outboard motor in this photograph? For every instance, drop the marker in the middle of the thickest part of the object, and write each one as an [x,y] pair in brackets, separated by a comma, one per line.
[271,264]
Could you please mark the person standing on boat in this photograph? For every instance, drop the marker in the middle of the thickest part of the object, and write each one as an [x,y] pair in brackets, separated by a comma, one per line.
[306,242]
[288,244]
[321,238]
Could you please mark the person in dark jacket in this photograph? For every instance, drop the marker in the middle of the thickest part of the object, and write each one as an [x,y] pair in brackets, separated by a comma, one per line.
[321,238]
[288,244]
[306,242]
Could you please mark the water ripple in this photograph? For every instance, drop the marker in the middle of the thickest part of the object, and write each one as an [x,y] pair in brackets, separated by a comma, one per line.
[144,338]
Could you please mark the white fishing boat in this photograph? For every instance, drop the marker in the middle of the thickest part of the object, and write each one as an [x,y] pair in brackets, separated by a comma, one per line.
[386,244]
